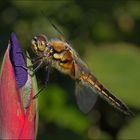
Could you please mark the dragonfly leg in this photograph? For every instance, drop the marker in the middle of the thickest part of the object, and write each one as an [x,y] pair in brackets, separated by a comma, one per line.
[39,62]
[48,73]
[24,67]
[46,82]
[31,67]
[35,96]
[38,66]
[32,59]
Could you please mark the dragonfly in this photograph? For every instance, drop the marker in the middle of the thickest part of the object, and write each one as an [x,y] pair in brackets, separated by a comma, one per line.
[60,55]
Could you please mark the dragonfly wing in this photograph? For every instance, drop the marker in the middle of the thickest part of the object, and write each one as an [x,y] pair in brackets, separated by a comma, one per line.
[86,97]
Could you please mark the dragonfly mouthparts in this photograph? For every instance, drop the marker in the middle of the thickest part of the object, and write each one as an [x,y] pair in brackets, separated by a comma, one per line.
[35,38]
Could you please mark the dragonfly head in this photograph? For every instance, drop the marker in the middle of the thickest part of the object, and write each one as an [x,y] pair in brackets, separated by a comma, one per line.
[40,44]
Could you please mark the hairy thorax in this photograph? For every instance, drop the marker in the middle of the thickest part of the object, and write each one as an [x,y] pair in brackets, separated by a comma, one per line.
[62,58]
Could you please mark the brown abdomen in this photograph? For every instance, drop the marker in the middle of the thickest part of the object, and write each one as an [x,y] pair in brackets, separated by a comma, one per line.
[96,85]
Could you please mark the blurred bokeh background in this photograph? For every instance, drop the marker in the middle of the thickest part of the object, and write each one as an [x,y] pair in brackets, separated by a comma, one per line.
[106,34]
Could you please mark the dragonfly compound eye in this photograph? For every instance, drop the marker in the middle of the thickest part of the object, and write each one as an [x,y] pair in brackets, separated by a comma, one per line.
[39,43]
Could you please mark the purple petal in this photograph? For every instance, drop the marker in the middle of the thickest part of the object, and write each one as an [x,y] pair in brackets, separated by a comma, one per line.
[18,62]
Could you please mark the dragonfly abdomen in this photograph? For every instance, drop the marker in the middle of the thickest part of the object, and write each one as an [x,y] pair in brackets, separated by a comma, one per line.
[100,89]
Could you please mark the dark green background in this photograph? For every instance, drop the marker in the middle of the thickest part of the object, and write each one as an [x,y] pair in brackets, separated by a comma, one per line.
[106,34]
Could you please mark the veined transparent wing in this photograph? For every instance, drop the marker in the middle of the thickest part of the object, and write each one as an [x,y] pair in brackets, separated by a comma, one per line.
[86,97]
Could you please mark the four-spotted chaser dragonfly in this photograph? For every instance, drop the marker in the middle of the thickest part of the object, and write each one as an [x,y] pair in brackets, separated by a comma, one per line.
[60,55]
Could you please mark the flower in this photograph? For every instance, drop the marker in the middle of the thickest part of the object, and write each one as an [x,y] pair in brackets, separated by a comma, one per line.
[18,115]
